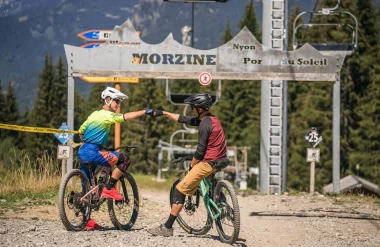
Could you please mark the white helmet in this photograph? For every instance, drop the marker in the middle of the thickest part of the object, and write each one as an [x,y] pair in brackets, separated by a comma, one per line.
[113,93]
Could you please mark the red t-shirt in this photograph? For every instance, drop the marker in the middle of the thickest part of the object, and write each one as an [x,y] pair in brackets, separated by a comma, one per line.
[211,141]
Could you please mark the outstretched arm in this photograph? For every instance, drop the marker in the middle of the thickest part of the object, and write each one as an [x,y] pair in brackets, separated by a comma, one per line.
[170,115]
[132,115]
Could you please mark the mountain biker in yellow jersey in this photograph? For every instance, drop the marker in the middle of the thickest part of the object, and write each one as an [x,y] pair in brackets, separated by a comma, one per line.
[211,147]
[94,133]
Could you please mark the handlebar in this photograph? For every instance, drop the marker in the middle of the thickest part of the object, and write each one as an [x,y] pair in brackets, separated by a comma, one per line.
[122,148]
[182,159]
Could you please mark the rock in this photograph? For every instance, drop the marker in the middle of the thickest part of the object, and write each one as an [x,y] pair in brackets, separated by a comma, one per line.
[32,228]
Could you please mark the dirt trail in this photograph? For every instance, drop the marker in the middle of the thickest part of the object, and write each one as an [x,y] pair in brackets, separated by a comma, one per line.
[265,221]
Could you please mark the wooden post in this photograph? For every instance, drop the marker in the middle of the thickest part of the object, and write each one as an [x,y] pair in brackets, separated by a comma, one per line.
[312,175]
[64,164]
[117,126]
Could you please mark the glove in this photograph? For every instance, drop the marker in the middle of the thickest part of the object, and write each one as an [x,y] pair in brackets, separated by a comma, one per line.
[149,112]
[157,113]
[154,113]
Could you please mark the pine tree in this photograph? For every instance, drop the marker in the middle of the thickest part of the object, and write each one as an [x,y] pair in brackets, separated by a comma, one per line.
[10,112]
[24,121]
[295,12]
[9,139]
[311,105]
[58,96]
[42,112]
[246,103]
[227,35]
[80,109]
[363,95]
[94,100]
[2,107]
[250,20]
[146,131]
[312,109]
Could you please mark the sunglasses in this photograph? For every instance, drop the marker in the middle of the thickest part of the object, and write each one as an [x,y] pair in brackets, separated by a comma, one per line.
[192,107]
[117,101]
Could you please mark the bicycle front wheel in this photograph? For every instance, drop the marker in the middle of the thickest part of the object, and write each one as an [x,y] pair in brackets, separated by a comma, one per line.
[228,224]
[123,214]
[194,217]
[73,212]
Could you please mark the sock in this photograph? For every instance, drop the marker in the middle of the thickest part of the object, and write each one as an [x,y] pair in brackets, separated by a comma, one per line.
[170,221]
[111,183]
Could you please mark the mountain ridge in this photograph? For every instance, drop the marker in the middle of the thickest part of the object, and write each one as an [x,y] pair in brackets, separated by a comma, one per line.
[43,26]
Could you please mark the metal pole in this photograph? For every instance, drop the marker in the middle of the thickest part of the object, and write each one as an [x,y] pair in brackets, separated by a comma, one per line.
[285,105]
[264,138]
[160,157]
[336,135]
[70,113]
[284,134]
[117,126]
[265,107]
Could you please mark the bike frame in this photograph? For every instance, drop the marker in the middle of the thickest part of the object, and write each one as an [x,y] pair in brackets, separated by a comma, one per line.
[94,186]
[209,203]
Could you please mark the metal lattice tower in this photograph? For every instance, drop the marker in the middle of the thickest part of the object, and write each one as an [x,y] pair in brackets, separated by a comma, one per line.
[272,111]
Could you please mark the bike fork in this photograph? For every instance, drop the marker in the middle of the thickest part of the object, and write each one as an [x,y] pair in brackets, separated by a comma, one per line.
[125,192]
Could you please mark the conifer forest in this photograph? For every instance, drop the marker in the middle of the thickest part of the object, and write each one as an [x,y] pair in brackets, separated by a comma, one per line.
[310,104]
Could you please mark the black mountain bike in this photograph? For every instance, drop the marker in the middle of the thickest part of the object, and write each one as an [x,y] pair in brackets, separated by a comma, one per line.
[212,201]
[78,197]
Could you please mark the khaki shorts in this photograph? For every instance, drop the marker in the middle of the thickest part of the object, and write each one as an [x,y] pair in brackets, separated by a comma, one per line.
[190,182]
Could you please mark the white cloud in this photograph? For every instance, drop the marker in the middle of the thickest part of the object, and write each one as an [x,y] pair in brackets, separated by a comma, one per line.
[23,18]
[112,16]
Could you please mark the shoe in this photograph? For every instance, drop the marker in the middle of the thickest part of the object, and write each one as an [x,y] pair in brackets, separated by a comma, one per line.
[112,194]
[92,225]
[161,231]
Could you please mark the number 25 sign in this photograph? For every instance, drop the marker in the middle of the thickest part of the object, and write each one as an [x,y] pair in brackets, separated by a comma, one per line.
[313,136]
[63,137]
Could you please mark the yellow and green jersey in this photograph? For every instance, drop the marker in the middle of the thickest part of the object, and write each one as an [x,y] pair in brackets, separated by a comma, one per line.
[98,125]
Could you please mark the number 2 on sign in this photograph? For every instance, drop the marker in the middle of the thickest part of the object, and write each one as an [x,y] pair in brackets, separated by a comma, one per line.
[313,137]
[63,135]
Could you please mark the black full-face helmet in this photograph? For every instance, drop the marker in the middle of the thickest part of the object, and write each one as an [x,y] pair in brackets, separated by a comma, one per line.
[200,100]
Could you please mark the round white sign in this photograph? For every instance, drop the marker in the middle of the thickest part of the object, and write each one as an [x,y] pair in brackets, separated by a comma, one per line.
[205,78]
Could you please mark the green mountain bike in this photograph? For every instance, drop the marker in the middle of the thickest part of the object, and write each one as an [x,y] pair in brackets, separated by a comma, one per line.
[213,201]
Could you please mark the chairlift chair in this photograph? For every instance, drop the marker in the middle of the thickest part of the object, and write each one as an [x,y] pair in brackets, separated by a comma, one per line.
[178,98]
[329,48]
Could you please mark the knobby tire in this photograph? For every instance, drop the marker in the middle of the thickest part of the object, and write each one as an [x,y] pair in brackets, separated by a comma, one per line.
[127,223]
[227,212]
[182,222]
[63,200]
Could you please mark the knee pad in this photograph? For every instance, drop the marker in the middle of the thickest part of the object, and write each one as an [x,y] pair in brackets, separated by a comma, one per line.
[123,162]
[178,197]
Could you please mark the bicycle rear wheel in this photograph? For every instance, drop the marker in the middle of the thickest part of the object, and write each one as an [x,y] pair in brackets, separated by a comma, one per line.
[194,217]
[228,224]
[74,214]
[123,214]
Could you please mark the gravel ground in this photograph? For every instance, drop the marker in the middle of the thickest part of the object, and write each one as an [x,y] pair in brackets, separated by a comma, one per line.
[265,221]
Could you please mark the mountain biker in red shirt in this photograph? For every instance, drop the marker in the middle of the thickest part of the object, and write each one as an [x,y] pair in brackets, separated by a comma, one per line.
[211,147]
